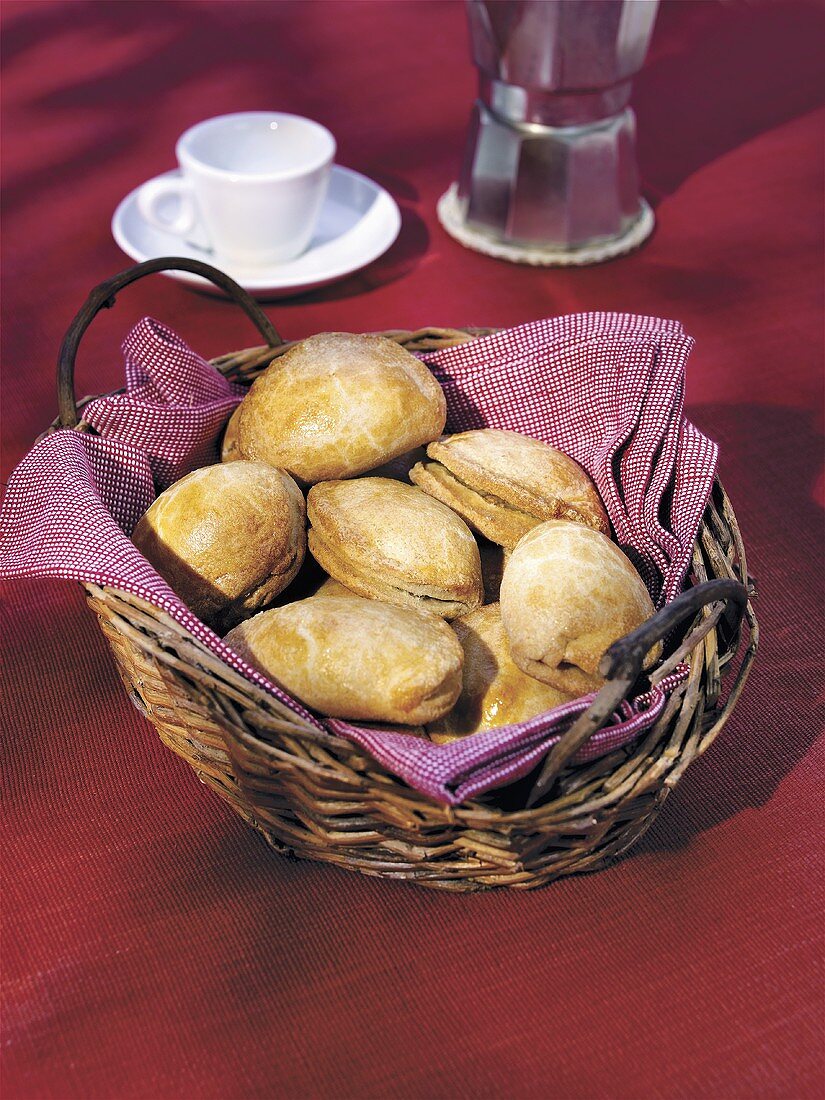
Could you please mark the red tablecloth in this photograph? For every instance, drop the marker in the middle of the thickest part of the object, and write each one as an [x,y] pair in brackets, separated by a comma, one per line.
[153,946]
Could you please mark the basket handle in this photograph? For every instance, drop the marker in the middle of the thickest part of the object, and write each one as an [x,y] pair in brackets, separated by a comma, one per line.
[103,297]
[621,665]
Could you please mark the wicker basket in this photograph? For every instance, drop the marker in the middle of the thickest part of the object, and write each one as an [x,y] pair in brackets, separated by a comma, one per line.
[321,797]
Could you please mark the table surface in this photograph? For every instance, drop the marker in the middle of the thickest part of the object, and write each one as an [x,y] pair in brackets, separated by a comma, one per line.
[153,946]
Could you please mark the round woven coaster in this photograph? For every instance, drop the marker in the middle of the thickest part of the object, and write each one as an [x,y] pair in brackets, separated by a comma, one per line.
[449,214]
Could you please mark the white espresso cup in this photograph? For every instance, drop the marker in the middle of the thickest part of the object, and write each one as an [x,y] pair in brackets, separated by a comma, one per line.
[251,186]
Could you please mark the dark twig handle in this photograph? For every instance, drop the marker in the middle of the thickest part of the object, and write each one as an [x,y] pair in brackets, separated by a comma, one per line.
[103,297]
[621,666]
[625,657]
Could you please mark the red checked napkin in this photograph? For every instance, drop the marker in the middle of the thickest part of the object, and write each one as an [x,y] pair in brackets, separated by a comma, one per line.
[606,388]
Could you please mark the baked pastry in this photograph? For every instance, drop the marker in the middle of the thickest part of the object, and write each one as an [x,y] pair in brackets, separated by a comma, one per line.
[567,594]
[353,658]
[494,691]
[504,483]
[337,405]
[229,443]
[226,538]
[389,541]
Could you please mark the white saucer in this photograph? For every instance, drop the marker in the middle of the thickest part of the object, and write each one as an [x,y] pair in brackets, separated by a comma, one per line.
[359,221]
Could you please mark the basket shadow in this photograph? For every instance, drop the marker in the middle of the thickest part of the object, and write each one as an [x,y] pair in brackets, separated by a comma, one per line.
[740,69]
[781,712]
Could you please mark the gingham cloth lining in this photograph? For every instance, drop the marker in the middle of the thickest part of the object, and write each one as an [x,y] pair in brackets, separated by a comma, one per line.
[606,388]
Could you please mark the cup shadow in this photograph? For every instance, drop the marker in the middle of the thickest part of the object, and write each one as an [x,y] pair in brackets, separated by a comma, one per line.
[402,257]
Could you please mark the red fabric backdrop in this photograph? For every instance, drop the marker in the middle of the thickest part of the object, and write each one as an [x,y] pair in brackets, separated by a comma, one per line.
[153,947]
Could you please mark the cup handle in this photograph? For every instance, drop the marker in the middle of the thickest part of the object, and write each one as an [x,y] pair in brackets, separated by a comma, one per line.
[186,224]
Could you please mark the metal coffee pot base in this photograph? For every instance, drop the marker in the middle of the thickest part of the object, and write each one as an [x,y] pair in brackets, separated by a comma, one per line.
[549,172]
[453,217]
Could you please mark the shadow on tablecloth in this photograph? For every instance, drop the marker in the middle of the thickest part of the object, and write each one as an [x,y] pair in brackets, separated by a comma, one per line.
[769,462]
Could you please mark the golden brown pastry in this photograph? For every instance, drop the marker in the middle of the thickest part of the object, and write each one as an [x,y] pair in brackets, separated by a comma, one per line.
[503,483]
[567,594]
[229,444]
[337,404]
[226,538]
[353,658]
[389,541]
[494,692]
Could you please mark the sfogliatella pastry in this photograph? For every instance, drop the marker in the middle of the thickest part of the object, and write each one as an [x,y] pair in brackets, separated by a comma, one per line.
[503,483]
[567,594]
[348,657]
[337,405]
[229,444]
[494,691]
[389,541]
[226,538]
